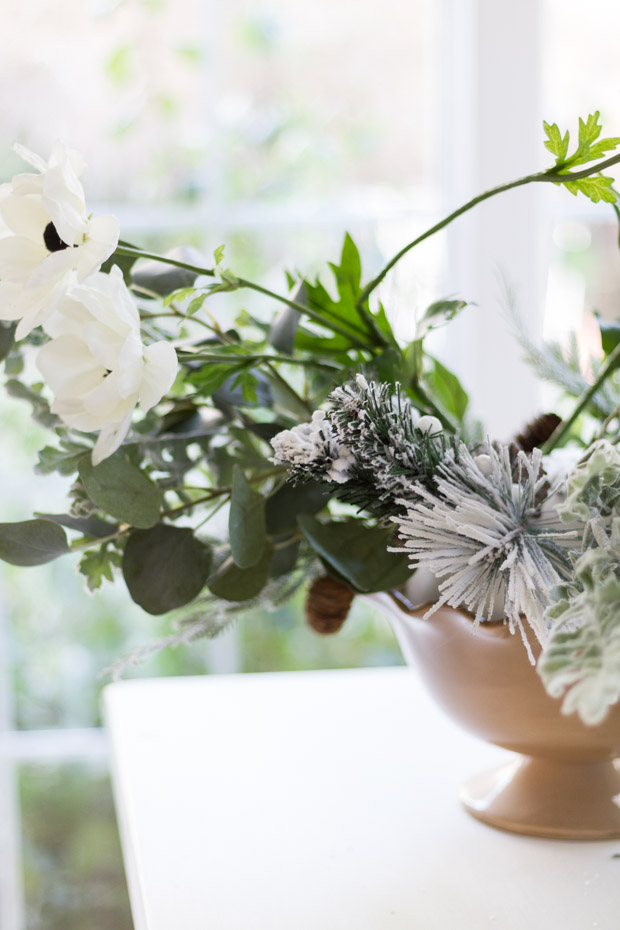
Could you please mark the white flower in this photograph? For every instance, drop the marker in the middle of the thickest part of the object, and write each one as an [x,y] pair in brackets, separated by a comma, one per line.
[95,362]
[47,236]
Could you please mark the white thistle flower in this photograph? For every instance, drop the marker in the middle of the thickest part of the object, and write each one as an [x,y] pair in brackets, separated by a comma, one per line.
[482,536]
[47,236]
[96,364]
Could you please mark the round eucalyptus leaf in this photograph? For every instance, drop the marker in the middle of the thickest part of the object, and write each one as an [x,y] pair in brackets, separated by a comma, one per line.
[165,567]
[32,542]
[120,489]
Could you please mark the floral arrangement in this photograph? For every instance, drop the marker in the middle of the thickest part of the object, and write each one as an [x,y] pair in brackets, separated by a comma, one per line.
[218,461]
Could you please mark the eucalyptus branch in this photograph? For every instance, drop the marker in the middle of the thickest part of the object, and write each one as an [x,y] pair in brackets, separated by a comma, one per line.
[611,364]
[552,175]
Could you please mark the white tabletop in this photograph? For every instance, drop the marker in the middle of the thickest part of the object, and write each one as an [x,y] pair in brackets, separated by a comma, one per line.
[326,801]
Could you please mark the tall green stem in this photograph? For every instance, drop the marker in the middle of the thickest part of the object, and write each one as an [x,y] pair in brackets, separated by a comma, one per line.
[551,176]
[612,362]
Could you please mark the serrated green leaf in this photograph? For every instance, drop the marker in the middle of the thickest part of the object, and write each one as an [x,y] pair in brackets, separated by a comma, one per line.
[357,552]
[119,488]
[210,378]
[240,584]
[556,143]
[595,188]
[165,567]
[246,522]
[32,542]
[99,564]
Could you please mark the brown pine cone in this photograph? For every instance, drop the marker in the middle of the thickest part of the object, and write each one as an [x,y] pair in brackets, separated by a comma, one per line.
[536,433]
[328,602]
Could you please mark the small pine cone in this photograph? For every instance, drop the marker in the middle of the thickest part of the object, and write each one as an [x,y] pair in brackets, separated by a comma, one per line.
[328,602]
[536,433]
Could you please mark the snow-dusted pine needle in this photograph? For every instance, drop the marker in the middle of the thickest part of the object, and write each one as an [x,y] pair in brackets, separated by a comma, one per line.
[482,533]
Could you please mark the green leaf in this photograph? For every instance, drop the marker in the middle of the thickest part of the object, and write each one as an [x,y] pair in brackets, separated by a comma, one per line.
[240,584]
[348,273]
[97,564]
[65,460]
[248,383]
[212,376]
[32,542]
[284,559]
[165,567]
[246,522]
[288,502]
[7,338]
[358,553]
[438,314]
[446,387]
[119,488]
[596,188]
[284,327]
[218,254]
[40,408]
[556,143]
[124,262]
[89,526]
[610,333]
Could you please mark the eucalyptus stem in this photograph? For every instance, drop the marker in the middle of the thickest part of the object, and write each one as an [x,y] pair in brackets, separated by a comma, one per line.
[550,176]
[610,365]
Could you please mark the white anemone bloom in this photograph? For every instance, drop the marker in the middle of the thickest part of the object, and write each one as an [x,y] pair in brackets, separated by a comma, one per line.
[96,364]
[46,236]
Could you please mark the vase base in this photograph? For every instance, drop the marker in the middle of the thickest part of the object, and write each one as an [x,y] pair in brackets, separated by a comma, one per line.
[558,799]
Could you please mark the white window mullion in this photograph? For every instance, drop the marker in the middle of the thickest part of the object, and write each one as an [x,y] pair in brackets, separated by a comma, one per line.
[492,107]
[12,908]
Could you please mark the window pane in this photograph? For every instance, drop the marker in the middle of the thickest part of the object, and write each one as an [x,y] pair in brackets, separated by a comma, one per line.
[73,872]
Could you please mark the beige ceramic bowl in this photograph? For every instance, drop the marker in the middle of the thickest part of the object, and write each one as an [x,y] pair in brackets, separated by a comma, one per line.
[564,782]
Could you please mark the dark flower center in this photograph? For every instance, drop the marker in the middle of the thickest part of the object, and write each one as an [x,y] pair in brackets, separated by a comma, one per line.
[53,242]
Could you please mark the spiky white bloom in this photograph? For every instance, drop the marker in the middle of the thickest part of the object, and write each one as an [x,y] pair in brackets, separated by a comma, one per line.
[47,236]
[483,537]
[96,364]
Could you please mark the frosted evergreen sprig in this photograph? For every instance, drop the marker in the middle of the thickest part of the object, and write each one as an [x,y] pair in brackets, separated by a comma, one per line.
[486,537]
[372,442]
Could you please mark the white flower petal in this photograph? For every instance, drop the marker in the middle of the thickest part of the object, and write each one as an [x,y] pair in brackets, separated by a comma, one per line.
[160,370]
[35,160]
[110,438]
[20,257]
[25,216]
[101,241]
[68,367]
